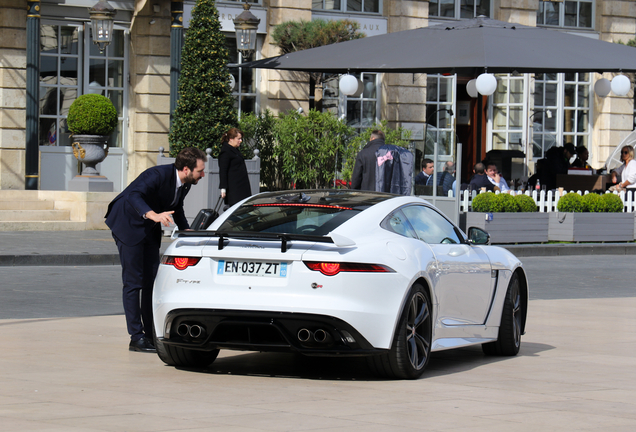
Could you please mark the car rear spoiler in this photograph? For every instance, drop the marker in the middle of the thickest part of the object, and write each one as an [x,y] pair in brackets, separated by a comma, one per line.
[284,238]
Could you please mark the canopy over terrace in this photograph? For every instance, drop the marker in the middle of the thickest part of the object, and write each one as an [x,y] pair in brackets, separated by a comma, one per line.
[467,48]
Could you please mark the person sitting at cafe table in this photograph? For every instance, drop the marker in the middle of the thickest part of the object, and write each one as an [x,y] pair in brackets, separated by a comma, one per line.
[558,162]
[480,179]
[495,178]
[582,155]
[628,177]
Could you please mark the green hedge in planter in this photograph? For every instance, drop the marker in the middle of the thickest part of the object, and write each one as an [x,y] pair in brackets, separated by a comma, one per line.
[526,203]
[570,202]
[613,203]
[503,203]
[92,114]
[593,203]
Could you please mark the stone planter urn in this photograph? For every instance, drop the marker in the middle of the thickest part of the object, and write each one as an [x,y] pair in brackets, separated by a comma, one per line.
[90,150]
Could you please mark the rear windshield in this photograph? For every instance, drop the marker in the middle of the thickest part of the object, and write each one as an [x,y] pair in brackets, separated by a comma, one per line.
[303,212]
[287,218]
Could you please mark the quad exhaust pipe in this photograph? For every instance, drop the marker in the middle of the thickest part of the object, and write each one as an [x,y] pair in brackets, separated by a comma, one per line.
[194,331]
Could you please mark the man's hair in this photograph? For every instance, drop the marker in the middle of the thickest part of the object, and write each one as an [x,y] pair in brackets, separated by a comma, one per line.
[188,157]
[479,168]
[425,162]
[570,148]
[491,163]
[375,134]
[449,167]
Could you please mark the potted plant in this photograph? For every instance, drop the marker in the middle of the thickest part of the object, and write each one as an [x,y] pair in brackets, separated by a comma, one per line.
[591,218]
[91,119]
[508,218]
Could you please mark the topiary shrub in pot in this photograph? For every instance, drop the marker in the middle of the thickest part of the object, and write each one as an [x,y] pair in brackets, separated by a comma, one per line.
[526,203]
[484,202]
[593,203]
[612,203]
[507,203]
[91,119]
[570,202]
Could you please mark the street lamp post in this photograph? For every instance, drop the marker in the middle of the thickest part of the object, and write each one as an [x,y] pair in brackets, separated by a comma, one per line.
[246,25]
[102,19]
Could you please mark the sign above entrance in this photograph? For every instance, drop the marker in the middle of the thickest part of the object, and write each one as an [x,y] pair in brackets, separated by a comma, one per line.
[227,15]
[368,26]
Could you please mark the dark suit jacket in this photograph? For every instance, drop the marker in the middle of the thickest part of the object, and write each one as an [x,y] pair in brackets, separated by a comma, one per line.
[481,180]
[153,190]
[233,175]
[363,176]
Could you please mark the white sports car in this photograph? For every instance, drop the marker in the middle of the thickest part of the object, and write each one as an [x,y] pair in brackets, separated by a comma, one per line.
[337,273]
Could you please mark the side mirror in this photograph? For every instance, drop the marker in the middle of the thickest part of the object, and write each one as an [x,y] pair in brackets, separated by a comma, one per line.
[478,236]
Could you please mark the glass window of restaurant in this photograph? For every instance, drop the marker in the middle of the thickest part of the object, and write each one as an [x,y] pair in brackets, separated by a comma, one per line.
[106,75]
[440,97]
[369,6]
[459,8]
[245,81]
[562,111]
[508,113]
[60,79]
[569,13]
[360,111]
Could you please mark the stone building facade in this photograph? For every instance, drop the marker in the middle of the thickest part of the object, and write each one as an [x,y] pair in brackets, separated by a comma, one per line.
[135,73]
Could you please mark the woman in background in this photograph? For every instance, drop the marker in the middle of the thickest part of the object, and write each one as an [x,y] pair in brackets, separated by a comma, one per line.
[628,176]
[234,181]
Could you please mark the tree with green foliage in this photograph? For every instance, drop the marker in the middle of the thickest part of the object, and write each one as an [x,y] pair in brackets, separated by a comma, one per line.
[205,110]
[258,133]
[292,36]
[310,147]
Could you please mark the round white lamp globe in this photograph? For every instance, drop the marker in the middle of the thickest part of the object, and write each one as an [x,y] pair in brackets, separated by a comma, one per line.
[602,87]
[471,88]
[348,84]
[359,90]
[621,85]
[486,84]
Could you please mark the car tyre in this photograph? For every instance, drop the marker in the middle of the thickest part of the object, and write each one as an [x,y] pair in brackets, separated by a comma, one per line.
[509,338]
[411,348]
[178,356]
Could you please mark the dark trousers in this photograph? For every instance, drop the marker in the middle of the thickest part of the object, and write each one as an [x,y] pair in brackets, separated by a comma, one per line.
[139,265]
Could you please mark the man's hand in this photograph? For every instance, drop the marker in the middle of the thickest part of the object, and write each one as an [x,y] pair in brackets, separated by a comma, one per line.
[496,177]
[164,218]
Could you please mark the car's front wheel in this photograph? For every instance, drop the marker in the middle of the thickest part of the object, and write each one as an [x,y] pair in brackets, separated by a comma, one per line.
[509,338]
[177,356]
[411,347]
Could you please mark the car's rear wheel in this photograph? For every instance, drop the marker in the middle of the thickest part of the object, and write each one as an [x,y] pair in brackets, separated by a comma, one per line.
[177,356]
[509,338]
[411,347]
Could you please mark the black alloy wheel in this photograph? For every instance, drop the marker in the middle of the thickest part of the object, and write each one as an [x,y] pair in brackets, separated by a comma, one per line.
[508,341]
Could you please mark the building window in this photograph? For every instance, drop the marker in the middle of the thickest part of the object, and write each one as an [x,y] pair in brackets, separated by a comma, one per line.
[244,91]
[440,96]
[60,77]
[561,111]
[508,113]
[459,8]
[360,111]
[107,76]
[575,13]
[370,6]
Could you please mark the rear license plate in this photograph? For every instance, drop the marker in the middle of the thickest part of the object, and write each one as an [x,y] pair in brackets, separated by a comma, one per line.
[252,268]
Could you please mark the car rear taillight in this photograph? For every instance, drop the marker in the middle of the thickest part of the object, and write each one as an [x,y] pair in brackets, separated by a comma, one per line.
[180,263]
[333,268]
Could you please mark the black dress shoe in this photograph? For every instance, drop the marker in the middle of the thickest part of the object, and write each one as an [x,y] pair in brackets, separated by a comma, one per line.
[142,345]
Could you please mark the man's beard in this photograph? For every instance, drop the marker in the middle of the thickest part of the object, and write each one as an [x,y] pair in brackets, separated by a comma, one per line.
[190,179]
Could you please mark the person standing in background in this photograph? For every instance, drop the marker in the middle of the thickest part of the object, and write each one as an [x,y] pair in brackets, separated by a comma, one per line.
[234,180]
[363,176]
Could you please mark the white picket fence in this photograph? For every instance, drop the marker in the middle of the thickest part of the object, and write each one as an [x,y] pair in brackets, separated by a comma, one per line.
[546,201]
